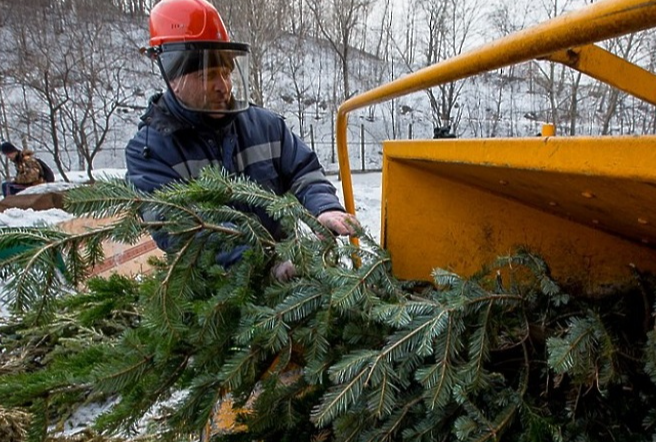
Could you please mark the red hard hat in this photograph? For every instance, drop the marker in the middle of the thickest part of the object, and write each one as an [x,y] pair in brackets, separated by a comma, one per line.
[177,21]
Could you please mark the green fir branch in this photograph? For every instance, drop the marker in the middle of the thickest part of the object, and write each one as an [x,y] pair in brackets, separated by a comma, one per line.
[343,352]
[338,399]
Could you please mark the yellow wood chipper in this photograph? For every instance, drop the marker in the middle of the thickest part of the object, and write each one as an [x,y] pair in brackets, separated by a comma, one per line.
[585,204]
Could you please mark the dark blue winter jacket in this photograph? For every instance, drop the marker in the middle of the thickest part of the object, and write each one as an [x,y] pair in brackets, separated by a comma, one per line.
[173,144]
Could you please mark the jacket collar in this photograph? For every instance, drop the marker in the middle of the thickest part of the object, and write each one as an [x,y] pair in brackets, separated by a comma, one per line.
[167,116]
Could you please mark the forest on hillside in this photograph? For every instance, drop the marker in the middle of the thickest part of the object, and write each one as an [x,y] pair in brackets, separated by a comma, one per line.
[73,82]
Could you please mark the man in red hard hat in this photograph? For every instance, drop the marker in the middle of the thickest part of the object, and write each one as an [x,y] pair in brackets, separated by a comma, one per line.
[204,70]
[204,119]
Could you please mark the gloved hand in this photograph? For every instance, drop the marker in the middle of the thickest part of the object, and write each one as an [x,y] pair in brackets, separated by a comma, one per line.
[283,271]
[341,223]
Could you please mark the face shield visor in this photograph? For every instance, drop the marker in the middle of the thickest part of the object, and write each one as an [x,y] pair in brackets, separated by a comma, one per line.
[210,77]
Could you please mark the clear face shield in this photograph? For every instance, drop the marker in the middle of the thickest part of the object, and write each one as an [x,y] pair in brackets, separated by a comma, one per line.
[210,77]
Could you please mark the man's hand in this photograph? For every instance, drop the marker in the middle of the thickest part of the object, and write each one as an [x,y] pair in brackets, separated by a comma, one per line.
[284,271]
[340,223]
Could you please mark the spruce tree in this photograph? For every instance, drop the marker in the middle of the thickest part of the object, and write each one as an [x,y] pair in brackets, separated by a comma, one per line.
[343,352]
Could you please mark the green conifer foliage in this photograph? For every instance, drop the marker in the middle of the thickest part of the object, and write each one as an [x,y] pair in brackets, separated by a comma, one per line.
[343,352]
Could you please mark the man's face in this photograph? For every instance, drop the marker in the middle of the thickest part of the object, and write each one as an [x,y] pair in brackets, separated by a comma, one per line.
[209,89]
[12,155]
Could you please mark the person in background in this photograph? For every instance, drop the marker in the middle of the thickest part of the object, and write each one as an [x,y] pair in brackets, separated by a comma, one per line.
[204,119]
[28,169]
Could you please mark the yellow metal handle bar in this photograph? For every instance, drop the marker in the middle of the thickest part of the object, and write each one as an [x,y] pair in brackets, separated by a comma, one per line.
[599,21]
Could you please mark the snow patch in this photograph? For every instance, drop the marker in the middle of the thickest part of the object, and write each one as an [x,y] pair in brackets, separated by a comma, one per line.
[15,217]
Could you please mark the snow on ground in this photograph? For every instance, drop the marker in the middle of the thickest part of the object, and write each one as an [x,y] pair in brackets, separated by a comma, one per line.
[366,191]
[57,186]
[28,217]
[75,179]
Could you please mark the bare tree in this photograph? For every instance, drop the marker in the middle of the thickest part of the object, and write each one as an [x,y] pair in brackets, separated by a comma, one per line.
[507,18]
[134,8]
[611,100]
[378,64]
[297,23]
[451,26]
[409,43]
[482,104]
[338,22]
[554,77]
[261,24]
[301,81]
[71,83]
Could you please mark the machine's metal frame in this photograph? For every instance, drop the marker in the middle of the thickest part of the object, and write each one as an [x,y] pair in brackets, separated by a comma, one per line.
[585,203]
